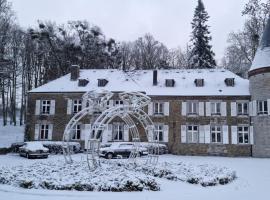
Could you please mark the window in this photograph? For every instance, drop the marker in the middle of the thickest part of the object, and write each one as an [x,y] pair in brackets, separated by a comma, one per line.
[199,82]
[192,108]
[216,134]
[102,82]
[77,105]
[77,133]
[45,107]
[262,107]
[229,82]
[192,134]
[158,133]
[215,108]
[82,82]
[118,132]
[169,82]
[44,132]
[242,108]
[158,108]
[243,134]
[118,102]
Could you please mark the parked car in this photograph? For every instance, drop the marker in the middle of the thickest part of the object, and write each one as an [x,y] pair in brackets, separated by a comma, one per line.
[120,149]
[33,150]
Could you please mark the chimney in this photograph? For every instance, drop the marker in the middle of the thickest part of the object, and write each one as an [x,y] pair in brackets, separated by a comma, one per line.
[155,77]
[74,72]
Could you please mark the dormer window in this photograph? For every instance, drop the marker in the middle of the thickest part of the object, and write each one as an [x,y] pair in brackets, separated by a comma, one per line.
[199,82]
[169,82]
[229,82]
[82,82]
[102,82]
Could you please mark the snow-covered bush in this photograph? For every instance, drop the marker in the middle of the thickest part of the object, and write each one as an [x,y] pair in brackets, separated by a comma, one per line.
[56,147]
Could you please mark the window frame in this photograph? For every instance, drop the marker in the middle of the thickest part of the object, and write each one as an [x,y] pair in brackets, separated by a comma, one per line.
[47,107]
[215,106]
[264,105]
[44,131]
[117,129]
[160,108]
[78,131]
[159,132]
[242,105]
[194,134]
[194,105]
[216,132]
[243,133]
[76,103]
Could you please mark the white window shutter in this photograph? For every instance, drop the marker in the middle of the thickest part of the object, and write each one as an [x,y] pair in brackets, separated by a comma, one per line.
[268,106]
[250,109]
[223,109]
[184,108]
[150,109]
[207,134]
[251,135]
[183,134]
[126,133]
[233,109]
[254,108]
[37,111]
[69,106]
[201,108]
[52,108]
[201,134]
[225,134]
[50,132]
[166,133]
[166,108]
[234,135]
[105,134]
[109,131]
[86,130]
[150,135]
[208,109]
[37,126]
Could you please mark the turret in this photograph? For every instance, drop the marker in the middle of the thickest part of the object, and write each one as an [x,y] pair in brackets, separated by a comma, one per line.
[259,86]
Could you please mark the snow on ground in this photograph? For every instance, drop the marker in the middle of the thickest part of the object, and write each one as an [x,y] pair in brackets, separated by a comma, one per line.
[10,134]
[253,180]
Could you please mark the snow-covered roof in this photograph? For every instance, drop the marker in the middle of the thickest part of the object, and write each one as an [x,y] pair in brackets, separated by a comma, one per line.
[142,80]
[262,57]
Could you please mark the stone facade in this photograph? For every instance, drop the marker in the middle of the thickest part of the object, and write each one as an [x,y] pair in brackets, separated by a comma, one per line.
[174,121]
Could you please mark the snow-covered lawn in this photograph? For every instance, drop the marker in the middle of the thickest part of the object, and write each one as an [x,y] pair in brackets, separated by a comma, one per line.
[10,134]
[253,180]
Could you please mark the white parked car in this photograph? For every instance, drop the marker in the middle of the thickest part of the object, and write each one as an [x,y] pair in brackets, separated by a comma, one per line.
[33,150]
[120,149]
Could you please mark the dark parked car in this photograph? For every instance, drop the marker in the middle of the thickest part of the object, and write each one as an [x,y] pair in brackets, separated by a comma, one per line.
[33,150]
[120,149]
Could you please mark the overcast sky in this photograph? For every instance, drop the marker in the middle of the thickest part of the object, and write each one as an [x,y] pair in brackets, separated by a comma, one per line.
[167,20]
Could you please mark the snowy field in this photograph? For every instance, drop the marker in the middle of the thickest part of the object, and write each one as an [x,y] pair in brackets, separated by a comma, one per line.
[253,180]
[10,134]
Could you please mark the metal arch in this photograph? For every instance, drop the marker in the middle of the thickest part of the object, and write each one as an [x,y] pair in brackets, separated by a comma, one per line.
[132,109]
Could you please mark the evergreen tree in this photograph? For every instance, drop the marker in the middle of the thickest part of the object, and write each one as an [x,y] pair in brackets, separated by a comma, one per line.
[202,55]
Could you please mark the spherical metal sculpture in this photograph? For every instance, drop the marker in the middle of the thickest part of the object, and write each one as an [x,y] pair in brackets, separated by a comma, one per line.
[130,112]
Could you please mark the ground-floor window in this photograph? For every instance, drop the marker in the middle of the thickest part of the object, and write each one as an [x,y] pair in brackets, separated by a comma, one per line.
[118,132]
[77,133]
[243,134]
[216,134]
[192,134]
[44,132]
[159,132]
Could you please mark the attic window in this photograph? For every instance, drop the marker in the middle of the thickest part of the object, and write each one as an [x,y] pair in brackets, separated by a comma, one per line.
[170,83]
[199,82]
[82,82]
[229,82]
[102,82]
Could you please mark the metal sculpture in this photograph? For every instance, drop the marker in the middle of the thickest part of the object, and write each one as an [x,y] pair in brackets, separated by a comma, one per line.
[130,112]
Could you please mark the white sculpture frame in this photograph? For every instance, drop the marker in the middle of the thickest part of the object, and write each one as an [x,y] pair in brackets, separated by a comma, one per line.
[131,110]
